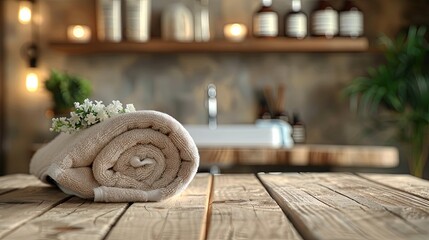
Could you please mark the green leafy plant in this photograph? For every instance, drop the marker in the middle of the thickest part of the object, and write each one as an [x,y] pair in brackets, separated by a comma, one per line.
[397,92]
[66,89]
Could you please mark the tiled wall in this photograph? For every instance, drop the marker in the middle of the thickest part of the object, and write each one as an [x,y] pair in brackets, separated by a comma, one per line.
[176,83]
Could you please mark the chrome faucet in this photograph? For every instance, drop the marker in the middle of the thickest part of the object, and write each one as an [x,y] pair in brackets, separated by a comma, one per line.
[212,105]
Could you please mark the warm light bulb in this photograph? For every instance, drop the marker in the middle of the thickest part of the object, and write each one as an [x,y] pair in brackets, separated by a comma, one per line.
[24,14]
[79,33]
[236,29]
[32,82]
[235,32]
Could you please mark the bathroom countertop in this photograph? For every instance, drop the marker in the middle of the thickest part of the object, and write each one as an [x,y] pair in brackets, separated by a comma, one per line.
[303,155]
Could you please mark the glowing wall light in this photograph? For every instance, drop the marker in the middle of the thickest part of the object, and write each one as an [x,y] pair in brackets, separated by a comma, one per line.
[32,81]
[25,11]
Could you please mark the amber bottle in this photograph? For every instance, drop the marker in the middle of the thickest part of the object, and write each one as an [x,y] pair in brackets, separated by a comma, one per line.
[296,21]
[298,130]
[265,21]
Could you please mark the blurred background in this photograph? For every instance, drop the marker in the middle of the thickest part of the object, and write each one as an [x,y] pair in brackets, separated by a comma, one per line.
[160,74]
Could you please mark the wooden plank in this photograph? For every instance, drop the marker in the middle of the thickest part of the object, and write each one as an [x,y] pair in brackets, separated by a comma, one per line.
[257,156]
[345,206]
[74,219]
[20,181]
[11,182]
[402,182]
[411,210]
[19,206]
[2,86]
[243,209]
[5,190]
[220,156]
[180,217]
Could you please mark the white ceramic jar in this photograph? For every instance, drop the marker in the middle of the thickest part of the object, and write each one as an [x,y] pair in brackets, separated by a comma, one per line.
[137,20]
[177,23]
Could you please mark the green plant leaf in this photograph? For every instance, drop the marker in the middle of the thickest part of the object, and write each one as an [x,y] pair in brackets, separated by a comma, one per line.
[66,89]
[399,86]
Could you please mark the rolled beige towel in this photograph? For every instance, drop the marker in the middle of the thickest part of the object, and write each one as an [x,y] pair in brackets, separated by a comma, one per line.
[138,156]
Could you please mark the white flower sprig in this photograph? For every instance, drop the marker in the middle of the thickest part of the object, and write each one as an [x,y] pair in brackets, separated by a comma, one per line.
[88,114]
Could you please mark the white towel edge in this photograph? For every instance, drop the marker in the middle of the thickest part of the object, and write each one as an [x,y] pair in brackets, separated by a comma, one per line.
[54,171]
[107,194]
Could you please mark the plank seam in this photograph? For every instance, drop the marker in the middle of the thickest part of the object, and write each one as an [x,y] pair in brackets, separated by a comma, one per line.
[295,221]
[367,209]
[10,190]
[65,199]
[117,220]
[209,207]
[385,185]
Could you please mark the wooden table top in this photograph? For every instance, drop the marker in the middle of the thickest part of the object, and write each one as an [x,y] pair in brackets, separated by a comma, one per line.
[262,206]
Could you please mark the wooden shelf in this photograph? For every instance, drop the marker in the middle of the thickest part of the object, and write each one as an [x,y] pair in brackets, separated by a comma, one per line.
[247,46]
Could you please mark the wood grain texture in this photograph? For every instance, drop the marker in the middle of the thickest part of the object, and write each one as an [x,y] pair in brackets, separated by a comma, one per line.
[20,181]
[11,182]
[219,156]
[3,86]
[243,209]
[404,182]
[304,155]
[249,45]
[74,219]
[256,156]
[180,217]
[22,205]
[345,206]
[6,190]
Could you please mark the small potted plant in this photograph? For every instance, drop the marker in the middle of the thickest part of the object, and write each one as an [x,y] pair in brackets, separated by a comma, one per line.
[397,93]
[66,89]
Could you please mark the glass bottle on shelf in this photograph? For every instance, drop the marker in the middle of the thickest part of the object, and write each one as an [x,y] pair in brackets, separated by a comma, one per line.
[177,23]
[296,21]
[324,20]
[137,20]
[351,20]
[201,21]
[109,20]
[298,130]
[265,21]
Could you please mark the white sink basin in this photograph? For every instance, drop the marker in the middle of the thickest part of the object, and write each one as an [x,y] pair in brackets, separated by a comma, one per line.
[239,135]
